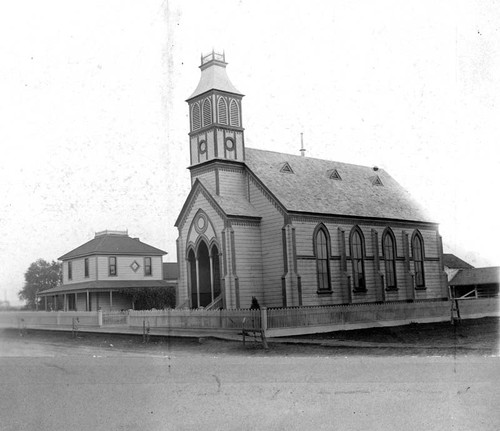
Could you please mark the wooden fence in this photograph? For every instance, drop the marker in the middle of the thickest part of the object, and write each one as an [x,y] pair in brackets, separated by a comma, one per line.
[273,321]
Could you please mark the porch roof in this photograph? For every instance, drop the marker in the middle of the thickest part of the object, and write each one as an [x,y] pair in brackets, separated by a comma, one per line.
[98,285]
[476,276]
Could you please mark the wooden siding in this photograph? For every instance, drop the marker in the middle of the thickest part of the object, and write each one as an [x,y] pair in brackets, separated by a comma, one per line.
[218,224]
[247,241]
[272,248]
[307,265]
[125,272]
[208,179]
[78,270]
[233,183]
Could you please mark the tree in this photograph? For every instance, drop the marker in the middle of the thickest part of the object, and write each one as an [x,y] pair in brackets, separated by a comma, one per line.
[41,275]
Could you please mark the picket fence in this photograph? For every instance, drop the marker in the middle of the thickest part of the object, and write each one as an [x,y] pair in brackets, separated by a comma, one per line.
[272,321]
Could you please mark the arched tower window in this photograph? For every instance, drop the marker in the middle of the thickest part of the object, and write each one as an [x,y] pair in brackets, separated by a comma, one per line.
[321,242]
[196,117]
[357,249]
[389,253]
[417,248]
[222,108]
[207,112]
[234,112]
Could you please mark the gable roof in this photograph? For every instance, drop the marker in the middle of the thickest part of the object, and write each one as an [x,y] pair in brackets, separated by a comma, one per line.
[309,189]
[473,276]
[113,244]
[229,205]
[454,262]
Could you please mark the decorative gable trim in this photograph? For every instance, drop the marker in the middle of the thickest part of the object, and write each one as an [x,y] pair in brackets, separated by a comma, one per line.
[286,169]
[197,189]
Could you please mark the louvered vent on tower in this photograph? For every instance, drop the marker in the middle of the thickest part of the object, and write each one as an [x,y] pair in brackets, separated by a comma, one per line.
[333,174]
[234,112]
[196,118]
[207,112]
[222,108]
[376,181]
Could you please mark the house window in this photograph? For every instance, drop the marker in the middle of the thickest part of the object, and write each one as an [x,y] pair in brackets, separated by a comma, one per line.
[112,266]
[389,253]
[322,252]
[417,247]
[70,270]
[86,266]
[358,259]
[147,266]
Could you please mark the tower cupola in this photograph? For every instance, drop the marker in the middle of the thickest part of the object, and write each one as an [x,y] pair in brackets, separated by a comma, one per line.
[216,130]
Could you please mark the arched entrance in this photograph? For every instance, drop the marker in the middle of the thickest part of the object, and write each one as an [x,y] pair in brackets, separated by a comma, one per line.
[204,275]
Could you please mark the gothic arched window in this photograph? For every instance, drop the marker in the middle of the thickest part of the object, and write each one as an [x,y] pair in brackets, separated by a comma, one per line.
[222,108]
[207,112]
[321,241]
[389,253]
[234,113]
[417,249]
[357,246]
[196,117]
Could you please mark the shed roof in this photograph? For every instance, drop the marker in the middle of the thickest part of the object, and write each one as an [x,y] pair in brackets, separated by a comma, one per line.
[454,262]
[305,184]
[111,243]
[476,276]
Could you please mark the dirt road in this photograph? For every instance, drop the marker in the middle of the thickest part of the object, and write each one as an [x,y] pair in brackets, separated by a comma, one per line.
[114,383]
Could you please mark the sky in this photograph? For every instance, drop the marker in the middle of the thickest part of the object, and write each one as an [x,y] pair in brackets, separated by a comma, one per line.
[94,123]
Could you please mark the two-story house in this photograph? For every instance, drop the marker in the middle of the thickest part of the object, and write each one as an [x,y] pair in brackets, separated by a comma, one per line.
[95,273]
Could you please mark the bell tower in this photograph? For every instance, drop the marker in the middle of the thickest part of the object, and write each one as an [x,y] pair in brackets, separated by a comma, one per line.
[216,129]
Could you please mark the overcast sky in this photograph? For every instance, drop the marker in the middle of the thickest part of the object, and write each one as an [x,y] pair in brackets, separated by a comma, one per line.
[94,122]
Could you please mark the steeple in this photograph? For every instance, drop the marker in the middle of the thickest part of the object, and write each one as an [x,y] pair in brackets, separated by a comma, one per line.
[216,130]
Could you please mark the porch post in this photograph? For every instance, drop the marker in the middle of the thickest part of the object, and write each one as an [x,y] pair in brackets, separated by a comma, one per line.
[64,303]
[54,303]
[197,282]
[36,302]
[110,300]
[211,278]
[76,301]
[45,302]
[88,302]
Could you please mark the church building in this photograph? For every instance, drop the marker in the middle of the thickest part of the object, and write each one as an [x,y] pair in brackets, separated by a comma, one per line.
[292,230]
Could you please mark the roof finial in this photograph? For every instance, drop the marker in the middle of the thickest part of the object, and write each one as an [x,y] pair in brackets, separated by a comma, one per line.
[302,149]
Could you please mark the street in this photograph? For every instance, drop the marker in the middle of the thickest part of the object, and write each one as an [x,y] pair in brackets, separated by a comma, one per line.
[60,387]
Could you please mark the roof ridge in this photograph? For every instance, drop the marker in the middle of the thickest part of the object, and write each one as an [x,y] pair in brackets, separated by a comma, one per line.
[299,157]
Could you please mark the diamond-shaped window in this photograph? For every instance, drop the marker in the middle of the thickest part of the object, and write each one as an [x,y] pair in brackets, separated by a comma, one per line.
[135,266]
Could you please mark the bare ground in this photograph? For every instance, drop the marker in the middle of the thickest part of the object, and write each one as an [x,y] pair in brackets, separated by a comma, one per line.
[470,337]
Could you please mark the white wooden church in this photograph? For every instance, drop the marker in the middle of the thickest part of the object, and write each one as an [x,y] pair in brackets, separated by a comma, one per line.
[288,229]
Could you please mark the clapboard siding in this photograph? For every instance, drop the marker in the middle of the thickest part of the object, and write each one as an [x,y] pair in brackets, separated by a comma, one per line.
[339,295]
[232,183]
[272,247]
[249,264]
[208,180]
[125,272]
[78,270]
[216,221]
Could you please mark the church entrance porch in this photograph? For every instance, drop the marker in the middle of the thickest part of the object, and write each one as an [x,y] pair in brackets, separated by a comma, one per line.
[204,275]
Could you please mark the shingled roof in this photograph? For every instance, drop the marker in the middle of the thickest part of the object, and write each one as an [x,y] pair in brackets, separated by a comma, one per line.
[310,185]
[113,243]
[97,285]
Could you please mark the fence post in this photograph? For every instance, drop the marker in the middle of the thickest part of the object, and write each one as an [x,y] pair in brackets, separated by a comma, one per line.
[128,318]
[99,318]
[58,318]
[263,320]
